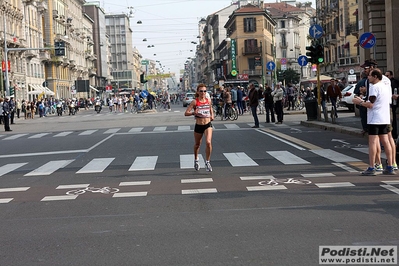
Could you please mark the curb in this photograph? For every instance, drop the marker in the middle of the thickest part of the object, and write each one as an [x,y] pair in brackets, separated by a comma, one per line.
[334,128]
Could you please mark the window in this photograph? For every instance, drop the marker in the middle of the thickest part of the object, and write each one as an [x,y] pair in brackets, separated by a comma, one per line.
[249,24]
[283,24]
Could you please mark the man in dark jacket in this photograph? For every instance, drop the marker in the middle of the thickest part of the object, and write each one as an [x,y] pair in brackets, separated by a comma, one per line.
[395,94]
[269,104]
[6,113]
[253,103]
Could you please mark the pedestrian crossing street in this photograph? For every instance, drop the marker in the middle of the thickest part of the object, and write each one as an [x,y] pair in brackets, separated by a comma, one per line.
[146,188]
[109,131]
[186,161]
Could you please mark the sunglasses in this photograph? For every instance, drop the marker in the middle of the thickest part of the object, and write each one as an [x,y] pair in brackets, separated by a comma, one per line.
[202,91]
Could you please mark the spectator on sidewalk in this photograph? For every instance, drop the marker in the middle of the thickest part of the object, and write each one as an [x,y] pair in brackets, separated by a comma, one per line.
[278,95]
[333,93]
[253,103]
[395,94]
[269,105]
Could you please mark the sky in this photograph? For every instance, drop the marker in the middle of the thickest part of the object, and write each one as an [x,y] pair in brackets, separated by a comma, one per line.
[170,27]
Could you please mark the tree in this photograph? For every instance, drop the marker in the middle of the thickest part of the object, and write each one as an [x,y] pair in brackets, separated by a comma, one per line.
[292,76]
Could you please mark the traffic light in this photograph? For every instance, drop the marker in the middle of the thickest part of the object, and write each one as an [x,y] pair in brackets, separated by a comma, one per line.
[311,54]
[315,53]
[142,79]
[319,54]
[12,91]
[59,48]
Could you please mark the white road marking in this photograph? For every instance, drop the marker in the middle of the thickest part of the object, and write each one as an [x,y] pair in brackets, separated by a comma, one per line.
[63,197]
[136,129]
[49,168]
[196,180]
[143,163]
[134,183]
[334,156]
[63,134]
[73,186]
[334,185]
[112,130]
[262,188]
[14,136]
[96,166]
[10,167]
[14,189]
[159,128]
[187,161]
[231,126]
[87,132]
[248,178]
[183,128]
[38,136]
[6,200]
[345,167]
[391,188]
[318,175]
[130,194]
[394,182]
[198,191]
[239,159]
[287,157]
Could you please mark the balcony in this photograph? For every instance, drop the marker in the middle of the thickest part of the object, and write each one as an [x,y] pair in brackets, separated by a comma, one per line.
[252,72]
[251,50]
[352,29]
[72,63]
[87,54]
[55,14]
[92,71]
[44,56]
[65,62]
[30,54]
[283,45]
[331,39]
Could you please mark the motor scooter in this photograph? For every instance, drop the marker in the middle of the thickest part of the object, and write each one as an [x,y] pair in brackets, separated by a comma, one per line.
[59,109]
[72,109]
[97,107]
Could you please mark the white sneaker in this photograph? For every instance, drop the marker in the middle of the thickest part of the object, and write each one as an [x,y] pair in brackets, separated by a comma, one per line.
[208,167]
[196,165]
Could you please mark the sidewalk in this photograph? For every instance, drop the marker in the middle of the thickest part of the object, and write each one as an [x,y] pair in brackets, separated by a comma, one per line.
[346,122]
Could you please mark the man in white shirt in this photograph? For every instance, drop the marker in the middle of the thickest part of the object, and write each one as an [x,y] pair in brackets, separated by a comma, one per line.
[378,120]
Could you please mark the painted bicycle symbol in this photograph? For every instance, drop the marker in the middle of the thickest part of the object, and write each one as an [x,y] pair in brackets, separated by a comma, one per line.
[103,190]
[276,181]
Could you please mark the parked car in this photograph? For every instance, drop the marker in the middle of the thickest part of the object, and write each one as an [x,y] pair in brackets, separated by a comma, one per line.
[188,98]
[347,97]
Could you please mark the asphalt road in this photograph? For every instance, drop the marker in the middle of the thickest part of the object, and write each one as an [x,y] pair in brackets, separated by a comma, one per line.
[120,189]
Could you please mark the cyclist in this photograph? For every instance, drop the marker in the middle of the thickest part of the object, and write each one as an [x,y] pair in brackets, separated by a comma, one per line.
[201,108]
[227,101]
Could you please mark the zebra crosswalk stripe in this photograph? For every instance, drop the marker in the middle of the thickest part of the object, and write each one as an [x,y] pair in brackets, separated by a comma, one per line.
[136,129]
[38,136]
[49,168]
[87,132]
[142,163]
[187,161]
[334,156]
[96,166]
[287,157]
[63,134]
[14,136]
[10,167]
[112,130]
[239,159]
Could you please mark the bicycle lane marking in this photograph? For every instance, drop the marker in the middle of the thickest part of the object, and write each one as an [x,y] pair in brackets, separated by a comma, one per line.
[294,142]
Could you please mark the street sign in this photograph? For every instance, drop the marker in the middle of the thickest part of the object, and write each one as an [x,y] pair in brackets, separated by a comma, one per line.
[283,61]
[367,40]
[283,67]
[234,72]
[303,60]
[271,65]
[316,31]
[351,78]
[145,62]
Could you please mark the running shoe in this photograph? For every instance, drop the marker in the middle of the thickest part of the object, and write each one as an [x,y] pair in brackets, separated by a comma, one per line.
[196,165]
[378,167]
[208,166]
[369,172]
[395,166]
[389,171]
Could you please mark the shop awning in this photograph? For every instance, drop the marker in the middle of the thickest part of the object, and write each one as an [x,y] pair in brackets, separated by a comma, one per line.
[92,88]
[38,89]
